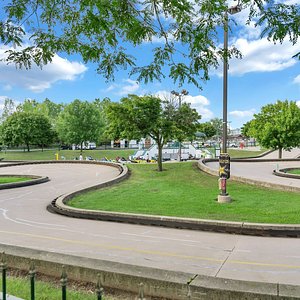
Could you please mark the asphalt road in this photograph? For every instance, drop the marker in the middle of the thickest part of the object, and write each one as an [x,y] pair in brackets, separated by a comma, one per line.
[25,222]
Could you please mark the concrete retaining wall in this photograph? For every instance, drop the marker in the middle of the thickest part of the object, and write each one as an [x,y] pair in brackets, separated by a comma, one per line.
[158,283]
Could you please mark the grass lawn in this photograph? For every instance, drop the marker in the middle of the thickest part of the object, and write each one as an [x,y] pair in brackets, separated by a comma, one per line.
[10,179]
[184,191]
[296,171]
[20,287]
[238,153]
[68,154]
[96,154]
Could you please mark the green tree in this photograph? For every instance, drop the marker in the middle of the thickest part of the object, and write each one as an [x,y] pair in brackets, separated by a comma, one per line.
[136,117]
[25,128]
[29,105]
[50,109]
[277,126]
[47,108]
[218,125]
[208,129]
[80,121]
[101,30]
[247,129]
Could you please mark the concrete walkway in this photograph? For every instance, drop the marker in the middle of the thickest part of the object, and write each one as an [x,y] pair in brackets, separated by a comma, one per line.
[261,171]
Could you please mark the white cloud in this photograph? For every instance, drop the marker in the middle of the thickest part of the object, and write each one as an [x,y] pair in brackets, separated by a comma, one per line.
[36,79]
[160,40]
[242,113]
[127,86]
[240,117]
[110,88]
[259,54]
[298,103]
[288,2]
[130,87]
[297,79]
[262,56]
[199,102]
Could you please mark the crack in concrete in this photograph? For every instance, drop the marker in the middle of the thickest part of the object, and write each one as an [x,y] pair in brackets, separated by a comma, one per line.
[192,279]
[229,253]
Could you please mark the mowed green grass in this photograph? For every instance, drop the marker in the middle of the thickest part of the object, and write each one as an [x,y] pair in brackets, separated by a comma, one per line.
[296,171]
[63,154]
[96,154]
[183,190]
[10,179]
[238,153]
[20,287]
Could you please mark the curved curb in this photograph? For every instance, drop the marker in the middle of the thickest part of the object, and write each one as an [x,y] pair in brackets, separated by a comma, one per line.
[60,206]
[254,229]
[12,185]
[282,173]
[203,167]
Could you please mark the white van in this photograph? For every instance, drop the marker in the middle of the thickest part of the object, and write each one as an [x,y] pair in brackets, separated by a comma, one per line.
[91,146]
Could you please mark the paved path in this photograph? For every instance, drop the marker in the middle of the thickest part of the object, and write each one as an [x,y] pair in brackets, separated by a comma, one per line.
[24,221]
[262,171]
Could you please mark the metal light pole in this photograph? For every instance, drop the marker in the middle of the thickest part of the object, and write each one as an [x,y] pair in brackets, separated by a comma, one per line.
[179,95]
[231,10]
[224,159]
[225,84]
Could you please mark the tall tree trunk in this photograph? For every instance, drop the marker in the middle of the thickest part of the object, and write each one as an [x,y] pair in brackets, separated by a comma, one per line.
[159,158]
[27,145]
[280,153]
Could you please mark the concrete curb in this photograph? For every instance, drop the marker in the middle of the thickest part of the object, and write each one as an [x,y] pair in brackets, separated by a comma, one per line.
[157,283]
[282,173]
[60,206]
[35,180]
[37,162]
[245,228]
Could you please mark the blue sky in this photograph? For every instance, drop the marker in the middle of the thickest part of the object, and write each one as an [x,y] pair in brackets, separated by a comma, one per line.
[266,73]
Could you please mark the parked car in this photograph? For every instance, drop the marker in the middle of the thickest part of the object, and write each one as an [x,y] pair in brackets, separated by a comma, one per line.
[91,146]
[65,147]
[232,145]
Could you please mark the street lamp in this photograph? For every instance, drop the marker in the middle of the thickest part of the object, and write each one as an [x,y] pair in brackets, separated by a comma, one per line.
[179,95]
[231,10]
[224,159]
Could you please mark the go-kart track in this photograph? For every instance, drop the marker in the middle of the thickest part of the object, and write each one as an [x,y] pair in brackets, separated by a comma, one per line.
[25,222]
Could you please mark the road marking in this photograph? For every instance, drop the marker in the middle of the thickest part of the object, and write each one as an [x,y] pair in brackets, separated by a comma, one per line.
[110,247]
[181,240]
[152,252]
[39,223]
